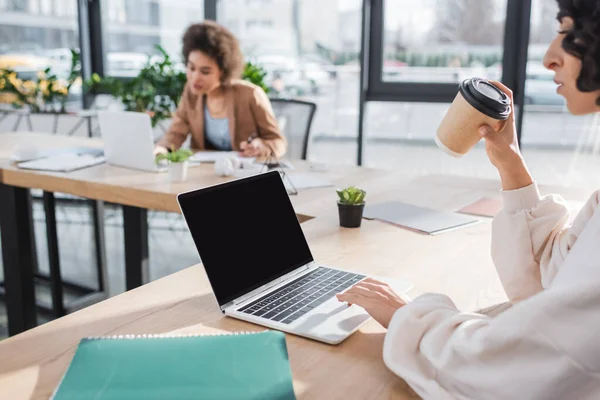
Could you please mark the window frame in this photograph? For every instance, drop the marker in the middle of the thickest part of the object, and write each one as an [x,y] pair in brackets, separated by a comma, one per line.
[372,85]
[374,88]
[381,90]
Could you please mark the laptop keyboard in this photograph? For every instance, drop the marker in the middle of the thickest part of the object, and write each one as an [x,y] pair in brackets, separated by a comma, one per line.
[291,301]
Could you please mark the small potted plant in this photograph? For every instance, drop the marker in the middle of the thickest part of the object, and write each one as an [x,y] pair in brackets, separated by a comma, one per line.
[351,204]
[178,163]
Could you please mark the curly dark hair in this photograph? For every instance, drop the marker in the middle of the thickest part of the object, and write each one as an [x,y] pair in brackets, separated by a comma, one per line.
[583,40]
[217,42]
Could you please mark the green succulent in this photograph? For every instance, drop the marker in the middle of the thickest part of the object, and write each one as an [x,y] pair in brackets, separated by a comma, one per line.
[175,156]
[351,195]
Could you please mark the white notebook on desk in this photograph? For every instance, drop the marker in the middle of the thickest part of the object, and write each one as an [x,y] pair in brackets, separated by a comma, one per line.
[213,156]
[304,181]
[420,219]
[63,162]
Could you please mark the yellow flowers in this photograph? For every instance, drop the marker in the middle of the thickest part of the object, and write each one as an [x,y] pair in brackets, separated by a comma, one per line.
[43,85]
[45,93]
[60,88]
[12,78]
[30,86]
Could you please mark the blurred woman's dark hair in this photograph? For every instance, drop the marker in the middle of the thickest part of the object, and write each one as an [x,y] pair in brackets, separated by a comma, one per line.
[218,43]
[583,40]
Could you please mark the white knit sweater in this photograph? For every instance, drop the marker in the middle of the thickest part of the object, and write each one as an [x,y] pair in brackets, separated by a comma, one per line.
[547,346]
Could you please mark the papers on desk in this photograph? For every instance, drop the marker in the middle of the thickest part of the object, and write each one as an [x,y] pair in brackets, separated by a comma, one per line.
[483,207]
[63,162]
[420,219]
[304,181]
[299,181]
[32,153]
[213,156]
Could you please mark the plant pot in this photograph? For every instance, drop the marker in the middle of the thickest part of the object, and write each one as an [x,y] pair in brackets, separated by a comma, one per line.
[350,215]
[178,171]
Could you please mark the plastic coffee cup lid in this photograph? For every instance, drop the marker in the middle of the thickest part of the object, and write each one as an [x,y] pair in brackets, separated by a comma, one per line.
[486,98]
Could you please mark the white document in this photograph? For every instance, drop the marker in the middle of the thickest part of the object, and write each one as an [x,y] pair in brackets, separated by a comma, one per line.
[62,162]
[304,181]
[213,156]
[416,218]
[30,152]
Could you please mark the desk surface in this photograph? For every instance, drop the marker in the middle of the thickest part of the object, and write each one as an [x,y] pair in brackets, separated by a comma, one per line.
[153,190]
[456,263]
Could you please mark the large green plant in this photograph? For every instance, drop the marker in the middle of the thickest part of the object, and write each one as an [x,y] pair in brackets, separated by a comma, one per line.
[158,87]
[256,74]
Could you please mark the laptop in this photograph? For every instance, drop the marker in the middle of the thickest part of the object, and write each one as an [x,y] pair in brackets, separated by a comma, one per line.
[128,140]
[259,263]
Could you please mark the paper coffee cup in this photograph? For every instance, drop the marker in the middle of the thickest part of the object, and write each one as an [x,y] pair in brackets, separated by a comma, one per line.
[478,102]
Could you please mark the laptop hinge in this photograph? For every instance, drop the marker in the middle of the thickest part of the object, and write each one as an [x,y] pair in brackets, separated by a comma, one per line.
[259,291]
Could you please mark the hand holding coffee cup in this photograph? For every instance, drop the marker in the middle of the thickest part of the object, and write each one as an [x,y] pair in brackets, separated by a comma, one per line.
[479,102]
[502,145]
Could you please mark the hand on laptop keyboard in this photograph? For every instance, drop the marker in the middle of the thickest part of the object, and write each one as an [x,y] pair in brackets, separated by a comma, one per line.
[292,301]
[377,298]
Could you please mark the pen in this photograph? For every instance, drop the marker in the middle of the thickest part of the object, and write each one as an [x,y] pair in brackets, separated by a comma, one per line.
[251,138]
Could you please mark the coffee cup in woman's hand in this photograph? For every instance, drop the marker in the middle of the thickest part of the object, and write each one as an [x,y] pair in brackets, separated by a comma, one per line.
[479,102]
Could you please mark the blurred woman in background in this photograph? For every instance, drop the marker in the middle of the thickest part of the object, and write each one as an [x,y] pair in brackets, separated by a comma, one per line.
[219,110]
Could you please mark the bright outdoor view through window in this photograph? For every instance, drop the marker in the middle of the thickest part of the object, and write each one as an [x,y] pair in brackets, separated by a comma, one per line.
[310,50]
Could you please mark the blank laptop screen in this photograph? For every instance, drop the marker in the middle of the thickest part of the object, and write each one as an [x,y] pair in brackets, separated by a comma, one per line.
[246,232]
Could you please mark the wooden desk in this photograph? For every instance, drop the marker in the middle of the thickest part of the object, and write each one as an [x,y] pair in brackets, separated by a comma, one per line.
[456,263]
[136,191]
[149,190]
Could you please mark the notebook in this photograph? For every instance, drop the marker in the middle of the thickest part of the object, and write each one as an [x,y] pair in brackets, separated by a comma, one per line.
[63,162]
[232,366]
[31,153]
[213,156]
[305,181]
[420,219]
[483,207]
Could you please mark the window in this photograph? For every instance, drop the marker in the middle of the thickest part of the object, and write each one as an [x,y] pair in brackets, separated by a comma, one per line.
[442,41]
[418,56]
[36,34]
[400,136]
[257,3]
[309,49]
[560,148]
[12,5]
[259,24]
[132,29]
[425,48]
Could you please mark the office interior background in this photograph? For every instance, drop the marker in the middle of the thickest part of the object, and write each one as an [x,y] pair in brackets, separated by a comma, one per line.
[382,73]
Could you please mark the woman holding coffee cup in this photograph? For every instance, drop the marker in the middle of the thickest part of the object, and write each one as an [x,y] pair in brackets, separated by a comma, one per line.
[545,344]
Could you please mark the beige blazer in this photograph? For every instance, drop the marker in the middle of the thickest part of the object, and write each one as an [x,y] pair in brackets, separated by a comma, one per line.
[249,112]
